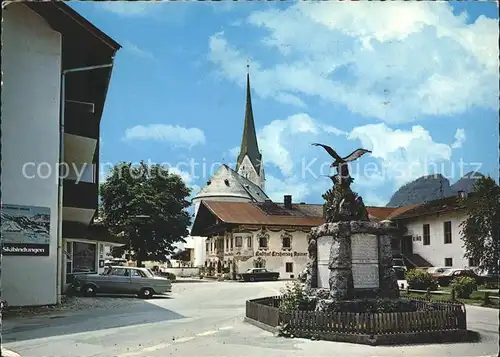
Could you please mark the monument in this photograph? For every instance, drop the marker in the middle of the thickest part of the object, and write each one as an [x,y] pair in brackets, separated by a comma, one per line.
[349,256]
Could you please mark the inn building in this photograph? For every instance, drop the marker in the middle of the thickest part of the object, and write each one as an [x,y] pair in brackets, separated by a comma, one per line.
[56,70]
[242,235]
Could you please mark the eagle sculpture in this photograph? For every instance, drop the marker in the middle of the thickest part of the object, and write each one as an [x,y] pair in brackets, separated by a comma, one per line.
[340,163]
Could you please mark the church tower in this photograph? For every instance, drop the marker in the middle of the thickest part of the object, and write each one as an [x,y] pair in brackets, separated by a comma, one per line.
[249,163]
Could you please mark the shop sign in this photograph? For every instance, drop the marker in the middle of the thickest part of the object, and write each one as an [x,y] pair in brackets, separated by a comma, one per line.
[280,254]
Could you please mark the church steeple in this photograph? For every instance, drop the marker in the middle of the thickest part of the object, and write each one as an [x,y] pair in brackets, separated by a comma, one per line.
[249,145]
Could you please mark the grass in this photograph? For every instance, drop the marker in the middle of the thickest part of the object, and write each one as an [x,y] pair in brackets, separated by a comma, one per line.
[477,298]
[492,293]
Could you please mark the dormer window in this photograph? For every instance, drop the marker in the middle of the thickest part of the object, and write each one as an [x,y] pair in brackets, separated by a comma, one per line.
[226,181]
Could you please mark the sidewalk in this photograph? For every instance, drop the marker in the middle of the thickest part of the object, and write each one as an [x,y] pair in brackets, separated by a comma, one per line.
[9,353]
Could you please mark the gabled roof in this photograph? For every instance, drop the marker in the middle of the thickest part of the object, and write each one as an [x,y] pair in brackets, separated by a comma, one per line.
[249,213]
[447,204]
[64,19]
[269,214]
[228,183]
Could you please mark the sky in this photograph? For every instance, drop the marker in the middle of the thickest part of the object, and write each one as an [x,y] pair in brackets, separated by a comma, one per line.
[416,83]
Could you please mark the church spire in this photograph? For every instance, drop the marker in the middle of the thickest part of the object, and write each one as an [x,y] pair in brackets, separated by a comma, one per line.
[249,146]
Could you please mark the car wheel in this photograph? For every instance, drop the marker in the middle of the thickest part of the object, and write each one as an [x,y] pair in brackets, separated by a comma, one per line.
[89,290]
[252,278]
[275,278]
[146,293]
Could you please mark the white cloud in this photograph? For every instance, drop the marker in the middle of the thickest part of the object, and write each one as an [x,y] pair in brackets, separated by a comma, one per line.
[398,156]
[459,139]
[400,57]
[277,139]
[176,135]
[276,188]
[136,51]
[374,200]
[402,155]
[128,8]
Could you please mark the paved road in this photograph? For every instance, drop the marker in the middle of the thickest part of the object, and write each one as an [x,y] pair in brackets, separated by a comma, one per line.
[203,319]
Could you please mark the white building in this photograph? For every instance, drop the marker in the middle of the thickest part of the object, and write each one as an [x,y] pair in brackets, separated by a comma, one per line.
[433,233]
[52,101]
[242,235]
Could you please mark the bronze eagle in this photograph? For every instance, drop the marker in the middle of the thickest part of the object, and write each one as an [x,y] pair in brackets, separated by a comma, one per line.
[356,154]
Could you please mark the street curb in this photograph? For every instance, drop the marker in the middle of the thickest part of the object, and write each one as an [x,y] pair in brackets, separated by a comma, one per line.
[9,353]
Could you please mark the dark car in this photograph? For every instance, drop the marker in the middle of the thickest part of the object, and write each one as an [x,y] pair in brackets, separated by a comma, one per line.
[259,274]
[446,277]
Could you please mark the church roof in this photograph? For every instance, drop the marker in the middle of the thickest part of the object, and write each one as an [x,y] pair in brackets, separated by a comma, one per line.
[249,145]
[228,183]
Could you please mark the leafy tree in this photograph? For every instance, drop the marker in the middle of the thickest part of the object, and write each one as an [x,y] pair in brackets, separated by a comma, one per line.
[147,204]
[480,231]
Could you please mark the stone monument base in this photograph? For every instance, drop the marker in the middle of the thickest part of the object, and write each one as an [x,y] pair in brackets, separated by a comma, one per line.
[351,260]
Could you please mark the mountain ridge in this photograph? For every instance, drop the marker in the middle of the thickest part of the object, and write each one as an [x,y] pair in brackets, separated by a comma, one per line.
[432,187]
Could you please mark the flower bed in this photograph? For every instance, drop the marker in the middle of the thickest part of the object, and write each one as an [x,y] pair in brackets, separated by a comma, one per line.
[416,321]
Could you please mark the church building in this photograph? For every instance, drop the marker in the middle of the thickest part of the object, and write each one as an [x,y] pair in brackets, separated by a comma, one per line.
[246,183]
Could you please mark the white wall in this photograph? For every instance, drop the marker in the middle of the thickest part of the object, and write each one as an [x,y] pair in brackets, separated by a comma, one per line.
[198,244]
[272,262]
[247,170]
[437,250]
[31,66]
[184,272]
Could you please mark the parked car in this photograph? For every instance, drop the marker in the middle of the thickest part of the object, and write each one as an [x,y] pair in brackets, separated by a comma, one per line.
[436,271]
[122,280]
[445,278]
[259,274]
[490,277]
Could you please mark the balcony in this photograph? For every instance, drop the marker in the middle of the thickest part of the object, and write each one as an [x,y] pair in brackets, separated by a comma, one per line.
[79,120]
[79,201]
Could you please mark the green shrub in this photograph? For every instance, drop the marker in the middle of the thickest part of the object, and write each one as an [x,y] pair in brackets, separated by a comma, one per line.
[373,305]
[464,286]
[292,297]
[421,280]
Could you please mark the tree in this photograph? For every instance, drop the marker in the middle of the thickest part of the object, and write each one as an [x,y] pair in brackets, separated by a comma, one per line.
[148,205]
[480,230]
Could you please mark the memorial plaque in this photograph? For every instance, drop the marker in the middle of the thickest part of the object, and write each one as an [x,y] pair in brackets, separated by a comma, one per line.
[365,276]
[365,261]
[323,245]
[364,248]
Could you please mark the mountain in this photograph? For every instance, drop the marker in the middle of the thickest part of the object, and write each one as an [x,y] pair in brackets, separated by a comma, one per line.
[432,187]
[466,183]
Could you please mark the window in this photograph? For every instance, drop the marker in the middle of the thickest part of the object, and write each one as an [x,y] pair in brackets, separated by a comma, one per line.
[287,244]
[238,242]
[472,263]
[137,274]
[249,242]
[84,257]
[262,242]
[231,242]
[448,262]
[207,246]
[289,267]
[119,272]
[447,232]
[227,243]
[427,234]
